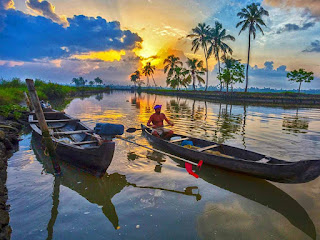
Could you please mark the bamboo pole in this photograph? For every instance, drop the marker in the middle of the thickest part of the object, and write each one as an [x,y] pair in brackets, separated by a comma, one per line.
[43,125]
[156,150]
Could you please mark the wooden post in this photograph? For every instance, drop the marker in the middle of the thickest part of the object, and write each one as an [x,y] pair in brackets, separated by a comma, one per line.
[28,101]
[43,125]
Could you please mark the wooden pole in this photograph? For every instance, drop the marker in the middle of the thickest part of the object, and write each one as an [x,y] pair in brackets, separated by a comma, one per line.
[28,101]
[43,125]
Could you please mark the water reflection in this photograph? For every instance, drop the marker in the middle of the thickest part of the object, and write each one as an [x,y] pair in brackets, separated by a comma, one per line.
[295,124]
[96,190]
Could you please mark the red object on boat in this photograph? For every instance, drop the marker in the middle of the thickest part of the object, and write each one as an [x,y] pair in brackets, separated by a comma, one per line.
[200,164]
[189,170]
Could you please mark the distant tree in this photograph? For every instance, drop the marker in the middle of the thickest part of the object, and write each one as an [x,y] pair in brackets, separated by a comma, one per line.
[178,79]
[300,76]
[134,78]
[232,73]
[79,82]
[195,71]
[170,63]
[217,36]
[98,81]
[252,19]
[200,35]
[91,83]
[148,71]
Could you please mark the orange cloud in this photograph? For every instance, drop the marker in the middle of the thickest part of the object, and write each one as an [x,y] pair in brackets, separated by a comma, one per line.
[106,56]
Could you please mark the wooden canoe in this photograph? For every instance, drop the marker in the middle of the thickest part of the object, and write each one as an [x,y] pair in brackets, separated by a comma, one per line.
[239,160]
[74,143]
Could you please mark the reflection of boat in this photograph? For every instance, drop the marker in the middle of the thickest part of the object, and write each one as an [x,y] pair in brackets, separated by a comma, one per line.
[96,190]
[74,144]
[239,160]
[263,192]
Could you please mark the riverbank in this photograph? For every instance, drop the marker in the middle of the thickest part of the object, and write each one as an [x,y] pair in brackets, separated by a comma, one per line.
[286,98]
[9,138]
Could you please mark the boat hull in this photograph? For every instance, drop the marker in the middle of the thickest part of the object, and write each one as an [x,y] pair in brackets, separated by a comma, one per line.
[282,171]
[94,159]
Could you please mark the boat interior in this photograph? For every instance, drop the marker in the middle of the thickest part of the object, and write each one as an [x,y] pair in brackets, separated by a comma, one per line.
[220,150]
[68,130]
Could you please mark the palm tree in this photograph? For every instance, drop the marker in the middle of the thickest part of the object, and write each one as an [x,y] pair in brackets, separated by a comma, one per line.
[133,78]
[200,37]
[91,83]
[170,63]
[217,37]
[177,78]
[98,80]
[195,70]
[252,19]
[148,70]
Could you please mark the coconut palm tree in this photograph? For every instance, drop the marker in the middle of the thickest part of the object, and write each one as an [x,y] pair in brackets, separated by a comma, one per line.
[148,70]
[170,63]
[134,78]
[195,71]
[252,20]
[177,78]
[200,35]
[217,37]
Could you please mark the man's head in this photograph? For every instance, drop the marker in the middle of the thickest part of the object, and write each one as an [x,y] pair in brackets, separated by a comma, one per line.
[157,108]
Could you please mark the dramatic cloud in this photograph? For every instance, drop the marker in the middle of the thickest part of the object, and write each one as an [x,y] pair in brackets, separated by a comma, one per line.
[311,6]
[6,4]
[47,10]
[314,47]
[26,38]
[294,27]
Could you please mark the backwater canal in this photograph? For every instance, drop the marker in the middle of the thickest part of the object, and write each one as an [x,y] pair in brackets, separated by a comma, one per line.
[147,195]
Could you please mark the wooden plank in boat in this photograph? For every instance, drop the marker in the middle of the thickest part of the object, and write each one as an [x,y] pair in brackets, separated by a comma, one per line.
[84,142]
[48,113]
[56,121]
[72,132]
[178,140]
[207,147]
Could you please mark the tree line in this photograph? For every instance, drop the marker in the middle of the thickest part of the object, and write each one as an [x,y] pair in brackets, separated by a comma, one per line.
[213,42]
[81,82]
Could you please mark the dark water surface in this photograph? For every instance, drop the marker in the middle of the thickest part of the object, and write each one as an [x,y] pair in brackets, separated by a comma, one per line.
[146,195]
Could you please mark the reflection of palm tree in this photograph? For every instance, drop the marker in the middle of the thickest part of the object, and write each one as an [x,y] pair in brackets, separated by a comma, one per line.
[252,19]
[227,125]
[295,124]
[244,126]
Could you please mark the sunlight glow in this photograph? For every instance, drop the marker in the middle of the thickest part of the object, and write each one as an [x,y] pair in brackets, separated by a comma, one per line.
[107,56]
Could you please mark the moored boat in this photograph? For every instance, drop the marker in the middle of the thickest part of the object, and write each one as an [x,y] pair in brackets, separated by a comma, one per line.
[75,142]
[237,160]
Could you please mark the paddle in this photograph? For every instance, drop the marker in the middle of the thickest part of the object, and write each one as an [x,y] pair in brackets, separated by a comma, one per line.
[187,162]
[132,130]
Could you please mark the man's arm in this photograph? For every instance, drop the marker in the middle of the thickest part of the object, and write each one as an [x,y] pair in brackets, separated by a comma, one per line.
[167,120]
[149,121]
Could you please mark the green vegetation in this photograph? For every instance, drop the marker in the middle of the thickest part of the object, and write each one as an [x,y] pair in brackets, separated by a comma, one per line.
[11,93]
[195,71]
[252,19]
[14,110]
[232,73]
[300,76]
[217,36]
[136,78]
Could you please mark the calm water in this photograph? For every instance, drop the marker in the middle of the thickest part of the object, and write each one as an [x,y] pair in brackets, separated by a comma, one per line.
[146,195]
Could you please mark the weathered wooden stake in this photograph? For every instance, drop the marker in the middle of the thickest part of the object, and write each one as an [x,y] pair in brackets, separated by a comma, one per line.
[28,101]
[43,125]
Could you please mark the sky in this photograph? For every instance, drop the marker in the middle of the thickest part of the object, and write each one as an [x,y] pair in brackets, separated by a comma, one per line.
[58,40]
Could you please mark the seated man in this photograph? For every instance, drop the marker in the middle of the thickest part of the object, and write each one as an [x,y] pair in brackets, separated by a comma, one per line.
[157,124]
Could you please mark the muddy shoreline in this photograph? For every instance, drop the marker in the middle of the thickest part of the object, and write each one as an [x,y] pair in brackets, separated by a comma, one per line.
[9,140]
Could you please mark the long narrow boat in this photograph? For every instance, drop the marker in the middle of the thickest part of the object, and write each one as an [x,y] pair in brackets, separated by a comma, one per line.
[75,143]
[238,160]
